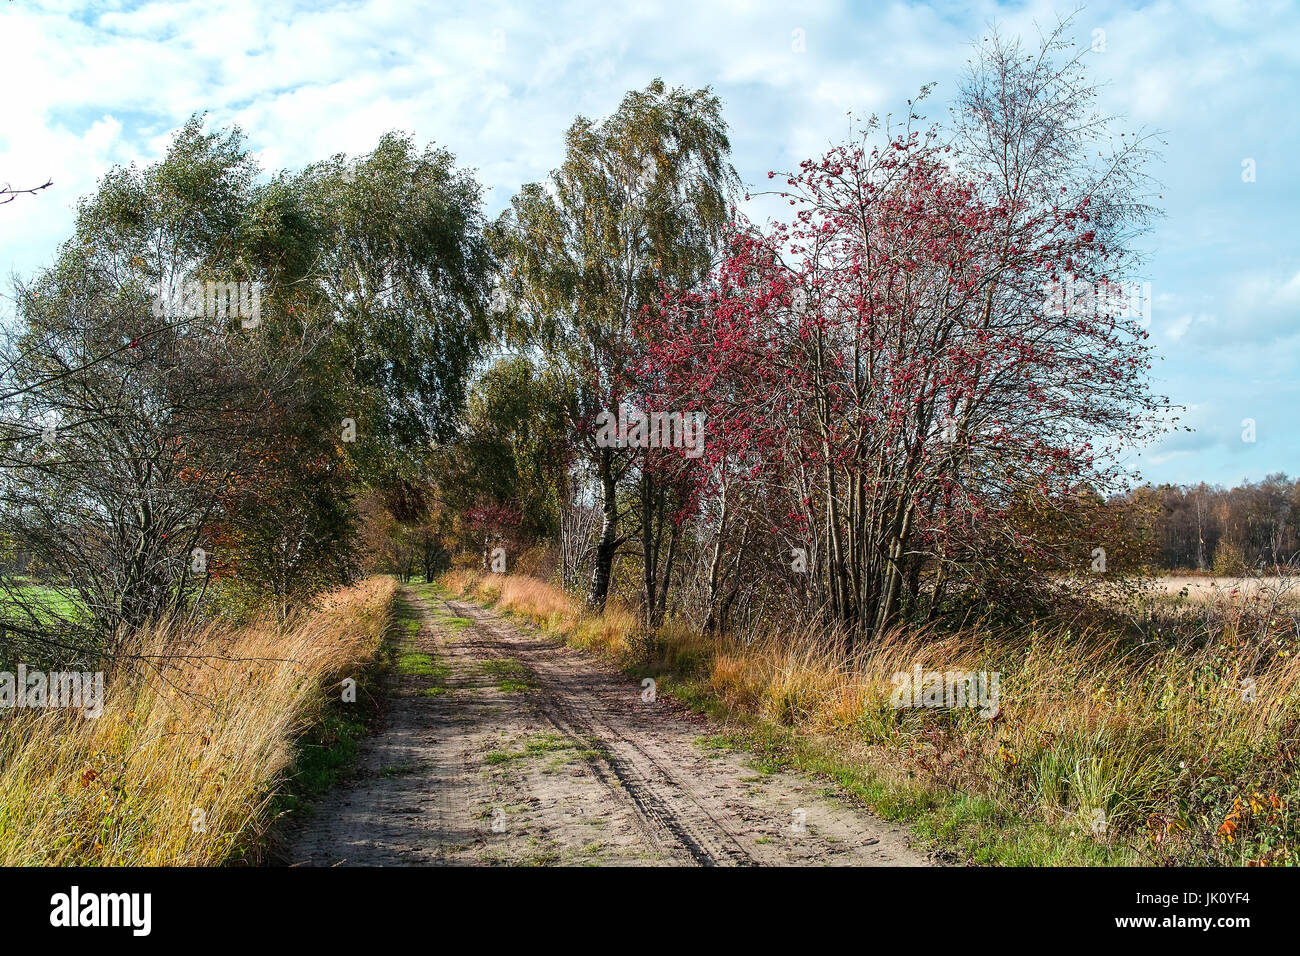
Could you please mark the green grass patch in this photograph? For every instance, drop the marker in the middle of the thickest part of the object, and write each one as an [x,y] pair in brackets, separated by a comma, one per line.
[511,676]
[536,747]
[401,770]
[417,664]
[41,605]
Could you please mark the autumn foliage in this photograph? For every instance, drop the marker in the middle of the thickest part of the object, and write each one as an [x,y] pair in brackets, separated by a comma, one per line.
[890,372]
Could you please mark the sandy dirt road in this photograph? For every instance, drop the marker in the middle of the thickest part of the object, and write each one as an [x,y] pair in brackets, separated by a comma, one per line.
[501,746]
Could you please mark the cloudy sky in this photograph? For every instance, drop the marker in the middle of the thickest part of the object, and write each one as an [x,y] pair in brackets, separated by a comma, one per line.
[88,86]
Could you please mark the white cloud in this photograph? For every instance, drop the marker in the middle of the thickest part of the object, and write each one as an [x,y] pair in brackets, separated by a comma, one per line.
[1176,329]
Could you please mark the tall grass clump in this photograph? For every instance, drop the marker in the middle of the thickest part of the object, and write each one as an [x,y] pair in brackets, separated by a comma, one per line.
[197,732]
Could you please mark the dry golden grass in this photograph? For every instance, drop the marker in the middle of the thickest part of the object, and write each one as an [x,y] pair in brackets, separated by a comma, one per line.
[181,766]
[1163,744]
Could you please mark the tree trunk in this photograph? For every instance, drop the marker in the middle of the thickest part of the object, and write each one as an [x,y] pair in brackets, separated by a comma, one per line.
[661,608]
[604,562]
[649,547]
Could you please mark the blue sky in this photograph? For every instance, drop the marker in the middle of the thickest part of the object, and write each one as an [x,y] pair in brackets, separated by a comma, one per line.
[498,83]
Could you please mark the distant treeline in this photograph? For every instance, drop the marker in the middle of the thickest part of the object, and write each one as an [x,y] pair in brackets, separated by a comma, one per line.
[1208,527]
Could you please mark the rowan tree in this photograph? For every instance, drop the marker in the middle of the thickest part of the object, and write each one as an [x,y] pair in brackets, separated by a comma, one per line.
[891,363]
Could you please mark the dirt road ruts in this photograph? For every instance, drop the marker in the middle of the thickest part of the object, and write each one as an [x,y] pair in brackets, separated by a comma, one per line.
[502,746]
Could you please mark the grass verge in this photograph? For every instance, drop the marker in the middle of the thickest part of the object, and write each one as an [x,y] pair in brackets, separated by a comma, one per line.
[197,742]
[326,750]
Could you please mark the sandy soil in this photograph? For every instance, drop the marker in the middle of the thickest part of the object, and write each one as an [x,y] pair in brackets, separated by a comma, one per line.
[519,750]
